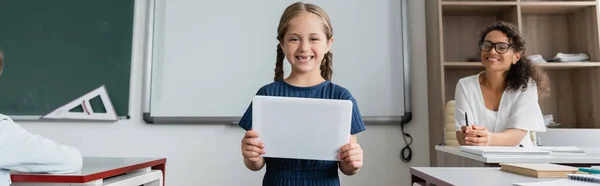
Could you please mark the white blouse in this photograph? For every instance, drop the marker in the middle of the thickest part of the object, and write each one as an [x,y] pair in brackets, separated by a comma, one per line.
[518,109]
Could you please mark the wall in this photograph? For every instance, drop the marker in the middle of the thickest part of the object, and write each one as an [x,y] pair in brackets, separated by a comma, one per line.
[210,154]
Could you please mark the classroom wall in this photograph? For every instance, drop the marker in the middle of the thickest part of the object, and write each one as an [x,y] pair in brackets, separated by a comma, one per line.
[210,154]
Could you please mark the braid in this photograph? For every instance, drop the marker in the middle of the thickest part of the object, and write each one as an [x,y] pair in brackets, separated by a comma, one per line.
[326,66]
[279,64]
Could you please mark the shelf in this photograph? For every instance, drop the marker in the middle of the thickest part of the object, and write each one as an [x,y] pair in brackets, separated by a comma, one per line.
[553,65]
[464,21]
[476,7]
[549,34]
[554,7]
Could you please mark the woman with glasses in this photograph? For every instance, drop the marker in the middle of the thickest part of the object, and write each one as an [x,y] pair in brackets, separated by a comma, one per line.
[499,106]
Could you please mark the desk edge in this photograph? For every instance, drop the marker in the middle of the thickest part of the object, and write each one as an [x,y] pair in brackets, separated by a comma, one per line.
[414,171]
[50,178]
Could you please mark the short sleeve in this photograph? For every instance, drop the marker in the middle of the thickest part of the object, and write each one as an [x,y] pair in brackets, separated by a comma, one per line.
[526,113]
[246,120]
[461,106]
[358,124]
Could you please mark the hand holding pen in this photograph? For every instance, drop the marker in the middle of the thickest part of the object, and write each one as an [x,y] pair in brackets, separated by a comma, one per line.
[466,129]
[475,135]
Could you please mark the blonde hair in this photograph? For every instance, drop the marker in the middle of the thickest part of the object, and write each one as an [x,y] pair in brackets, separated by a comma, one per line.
[290,13]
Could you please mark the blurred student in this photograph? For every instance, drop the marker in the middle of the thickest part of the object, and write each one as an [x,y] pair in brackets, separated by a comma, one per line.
[26,152]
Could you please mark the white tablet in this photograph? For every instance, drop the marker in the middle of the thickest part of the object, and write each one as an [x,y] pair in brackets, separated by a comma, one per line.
[302,128]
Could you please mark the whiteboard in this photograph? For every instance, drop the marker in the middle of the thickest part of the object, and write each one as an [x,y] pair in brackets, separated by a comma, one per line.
[207,59]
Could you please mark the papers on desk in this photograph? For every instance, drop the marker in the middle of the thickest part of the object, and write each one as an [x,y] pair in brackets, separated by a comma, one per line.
[561,149]
[488,151]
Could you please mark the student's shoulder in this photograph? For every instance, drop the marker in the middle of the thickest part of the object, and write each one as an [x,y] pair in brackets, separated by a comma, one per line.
[267,89]
[4,118]
[7,124]
[340,91]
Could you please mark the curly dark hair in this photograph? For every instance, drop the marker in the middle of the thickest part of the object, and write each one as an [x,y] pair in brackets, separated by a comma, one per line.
[518,75]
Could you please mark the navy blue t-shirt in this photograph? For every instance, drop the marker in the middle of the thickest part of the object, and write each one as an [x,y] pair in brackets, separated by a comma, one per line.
[295,172]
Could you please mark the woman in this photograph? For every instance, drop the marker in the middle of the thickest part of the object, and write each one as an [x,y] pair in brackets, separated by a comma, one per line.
[499,106]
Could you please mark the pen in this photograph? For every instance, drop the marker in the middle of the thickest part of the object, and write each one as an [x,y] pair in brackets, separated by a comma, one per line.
[467,122]
[466,119]
[588,170]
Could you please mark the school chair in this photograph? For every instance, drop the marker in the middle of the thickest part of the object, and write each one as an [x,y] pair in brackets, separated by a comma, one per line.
[450,128]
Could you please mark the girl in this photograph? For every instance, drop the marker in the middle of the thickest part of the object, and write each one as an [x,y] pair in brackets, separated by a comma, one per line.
[305,37]
[26,152]
[500,103]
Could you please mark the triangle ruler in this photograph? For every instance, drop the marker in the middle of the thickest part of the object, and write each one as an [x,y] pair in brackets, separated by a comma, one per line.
[87,113]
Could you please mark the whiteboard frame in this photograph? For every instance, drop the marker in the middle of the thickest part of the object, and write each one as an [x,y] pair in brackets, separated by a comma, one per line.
[155,5]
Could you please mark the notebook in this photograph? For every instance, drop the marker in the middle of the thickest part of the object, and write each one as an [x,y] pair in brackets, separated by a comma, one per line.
[302,128]
[572,180]
[585,178]
[560,182]
[488,151]
[539,170]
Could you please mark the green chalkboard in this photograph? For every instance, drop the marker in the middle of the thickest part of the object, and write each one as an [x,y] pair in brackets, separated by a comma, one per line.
[56,51]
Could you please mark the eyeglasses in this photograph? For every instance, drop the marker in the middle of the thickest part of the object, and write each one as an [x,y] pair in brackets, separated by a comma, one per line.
[500,47]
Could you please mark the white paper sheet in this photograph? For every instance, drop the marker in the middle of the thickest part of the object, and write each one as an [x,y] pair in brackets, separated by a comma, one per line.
[302,128]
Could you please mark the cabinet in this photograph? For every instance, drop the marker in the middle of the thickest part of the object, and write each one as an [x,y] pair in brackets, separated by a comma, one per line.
[548,26]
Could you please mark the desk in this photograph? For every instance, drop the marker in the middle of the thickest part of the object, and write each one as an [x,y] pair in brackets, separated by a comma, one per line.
[99,171]
[465,176]
[449,156]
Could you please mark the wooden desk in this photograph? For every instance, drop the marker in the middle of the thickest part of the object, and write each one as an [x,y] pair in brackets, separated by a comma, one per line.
[449,156]
[100,171]
[466,176]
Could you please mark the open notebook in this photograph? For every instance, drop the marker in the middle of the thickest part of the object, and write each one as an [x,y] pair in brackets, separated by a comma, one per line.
[572,180]
[487,151]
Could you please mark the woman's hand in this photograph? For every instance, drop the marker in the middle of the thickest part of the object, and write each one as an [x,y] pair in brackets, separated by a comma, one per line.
[468,130]
[477,135]
[252,148]
[351,155]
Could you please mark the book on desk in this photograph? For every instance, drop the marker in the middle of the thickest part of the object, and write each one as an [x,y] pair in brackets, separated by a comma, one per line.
[571,175]
[539,170]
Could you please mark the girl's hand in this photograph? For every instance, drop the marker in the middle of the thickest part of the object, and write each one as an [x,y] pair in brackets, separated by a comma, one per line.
[352,155]
[478,136]
[252,148]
